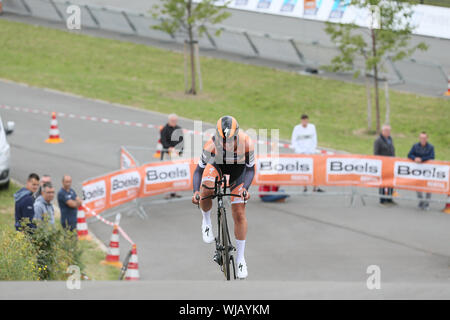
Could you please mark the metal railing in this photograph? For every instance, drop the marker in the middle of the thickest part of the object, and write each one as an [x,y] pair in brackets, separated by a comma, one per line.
[301,53]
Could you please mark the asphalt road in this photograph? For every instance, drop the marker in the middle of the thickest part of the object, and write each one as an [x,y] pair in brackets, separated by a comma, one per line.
[310,246]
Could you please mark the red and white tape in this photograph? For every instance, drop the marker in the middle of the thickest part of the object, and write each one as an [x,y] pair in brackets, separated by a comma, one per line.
[123,233]
[126,123]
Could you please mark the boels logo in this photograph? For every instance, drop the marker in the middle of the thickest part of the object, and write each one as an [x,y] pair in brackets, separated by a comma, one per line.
[431,177]
[285,170]
[285,165]
[94,191]
[354,170]
[125,181]
[169,173]
[411,170]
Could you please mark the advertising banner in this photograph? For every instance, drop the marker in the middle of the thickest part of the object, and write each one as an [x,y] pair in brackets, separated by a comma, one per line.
[338,9]
[421,176]
[263,4]
[311,7]
[288,6]
[285,170]
[428,20]
[172,176]
[122,186]
[353,171]
[95,194]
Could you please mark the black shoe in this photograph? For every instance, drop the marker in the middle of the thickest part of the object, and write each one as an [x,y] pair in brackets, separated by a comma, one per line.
[318,190]
[175,195]
[305,189]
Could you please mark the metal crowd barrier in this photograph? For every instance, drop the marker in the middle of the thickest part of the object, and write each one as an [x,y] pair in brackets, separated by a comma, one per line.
[309,54]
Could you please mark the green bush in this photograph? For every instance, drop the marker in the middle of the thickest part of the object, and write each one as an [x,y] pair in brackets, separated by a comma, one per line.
[18,259]
[56,249]
[43,253]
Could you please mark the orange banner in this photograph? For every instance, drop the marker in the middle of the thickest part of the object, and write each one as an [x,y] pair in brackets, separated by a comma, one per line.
[116,188]
[357,170]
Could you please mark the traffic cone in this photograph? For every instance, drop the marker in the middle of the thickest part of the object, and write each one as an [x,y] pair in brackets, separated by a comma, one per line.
[157,154]
[113,256]
[82,230]
[54,131]
[159,147]
[133,268]
[448,88]
[447,205]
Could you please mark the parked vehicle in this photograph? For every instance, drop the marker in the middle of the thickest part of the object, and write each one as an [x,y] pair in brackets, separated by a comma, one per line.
[5,152]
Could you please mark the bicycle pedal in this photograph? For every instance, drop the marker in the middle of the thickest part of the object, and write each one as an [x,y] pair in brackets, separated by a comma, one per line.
[218,258]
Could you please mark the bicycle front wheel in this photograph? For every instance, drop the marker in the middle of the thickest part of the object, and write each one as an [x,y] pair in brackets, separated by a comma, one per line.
[226,246]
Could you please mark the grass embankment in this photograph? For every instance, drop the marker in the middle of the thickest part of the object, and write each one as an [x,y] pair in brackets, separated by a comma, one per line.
[258,97]
[91,254]
[440,3]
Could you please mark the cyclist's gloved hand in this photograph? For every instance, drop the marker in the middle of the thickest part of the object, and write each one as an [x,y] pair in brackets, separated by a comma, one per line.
[196,197]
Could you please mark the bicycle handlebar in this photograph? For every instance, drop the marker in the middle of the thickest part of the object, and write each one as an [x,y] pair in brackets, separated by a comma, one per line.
[223,195]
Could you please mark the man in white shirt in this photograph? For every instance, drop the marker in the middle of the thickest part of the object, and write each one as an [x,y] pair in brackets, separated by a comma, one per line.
[304,140]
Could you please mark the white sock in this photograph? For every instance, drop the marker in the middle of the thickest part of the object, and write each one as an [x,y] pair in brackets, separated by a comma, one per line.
[240,247]
[206,217]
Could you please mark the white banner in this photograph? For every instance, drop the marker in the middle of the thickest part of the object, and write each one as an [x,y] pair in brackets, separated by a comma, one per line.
[429,20]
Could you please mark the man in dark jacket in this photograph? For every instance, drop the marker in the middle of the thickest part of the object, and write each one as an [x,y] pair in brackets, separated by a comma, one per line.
[384,146]
[172,141]
[24,202]
[171,137]
[421,152]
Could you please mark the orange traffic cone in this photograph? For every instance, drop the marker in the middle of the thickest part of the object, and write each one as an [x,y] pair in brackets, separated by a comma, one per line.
[157,154]
[447,205]
[448,88]
[82,230]
[133,268]
[54,131]
[159,147]
[113,256]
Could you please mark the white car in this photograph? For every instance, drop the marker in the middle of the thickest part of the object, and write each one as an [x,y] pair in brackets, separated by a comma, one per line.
[5,152]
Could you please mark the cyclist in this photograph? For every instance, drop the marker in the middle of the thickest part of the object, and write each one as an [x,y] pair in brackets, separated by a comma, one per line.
[231,152]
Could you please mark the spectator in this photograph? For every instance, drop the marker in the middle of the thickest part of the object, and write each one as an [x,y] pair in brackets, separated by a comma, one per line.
[172,142]
[272,197]
[44,179]
[24,201]
[43,204]
[304,140]
[421,152]
[68,202]
[384,146]
[171,137]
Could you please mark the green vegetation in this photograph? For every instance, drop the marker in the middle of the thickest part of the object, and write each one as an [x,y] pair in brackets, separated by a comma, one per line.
[441,3]
[258,97]
[48,253]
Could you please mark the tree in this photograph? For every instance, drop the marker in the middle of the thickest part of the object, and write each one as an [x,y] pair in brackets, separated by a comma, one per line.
[183,15]
[388,37]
